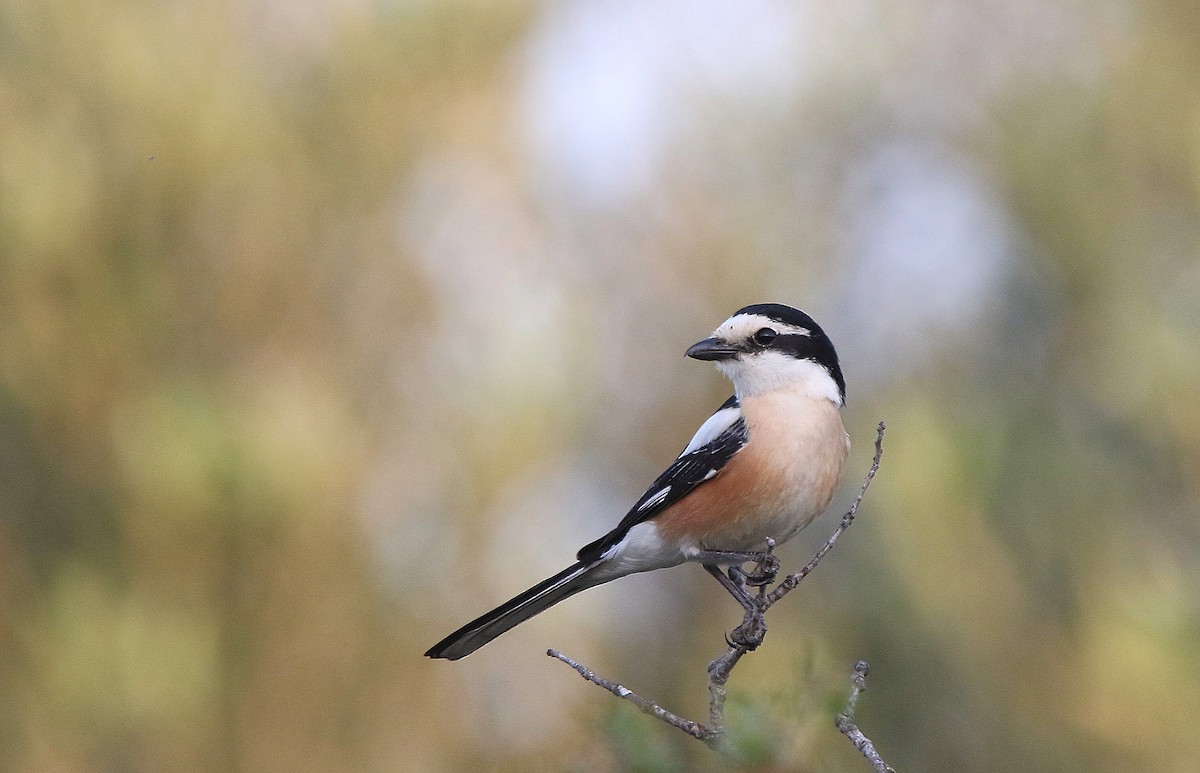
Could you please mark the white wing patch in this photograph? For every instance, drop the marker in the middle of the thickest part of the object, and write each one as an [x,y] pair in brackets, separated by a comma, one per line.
[659,496]
[712,428]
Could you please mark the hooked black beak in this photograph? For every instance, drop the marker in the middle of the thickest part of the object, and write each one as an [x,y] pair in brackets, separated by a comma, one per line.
[712,349]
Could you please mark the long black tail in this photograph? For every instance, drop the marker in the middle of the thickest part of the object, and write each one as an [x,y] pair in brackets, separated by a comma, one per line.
[517,610]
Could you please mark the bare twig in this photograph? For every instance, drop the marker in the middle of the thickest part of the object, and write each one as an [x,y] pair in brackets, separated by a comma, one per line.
[719,669]
[694,729]
[718,677]
[848,725]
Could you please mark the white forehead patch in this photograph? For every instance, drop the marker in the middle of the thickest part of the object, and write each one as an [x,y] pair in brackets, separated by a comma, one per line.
[739,327]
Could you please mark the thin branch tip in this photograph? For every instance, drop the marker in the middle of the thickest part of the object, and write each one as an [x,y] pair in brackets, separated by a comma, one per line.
[848,725]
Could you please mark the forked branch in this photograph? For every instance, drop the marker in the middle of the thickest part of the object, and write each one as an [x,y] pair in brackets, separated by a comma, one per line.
[713,732]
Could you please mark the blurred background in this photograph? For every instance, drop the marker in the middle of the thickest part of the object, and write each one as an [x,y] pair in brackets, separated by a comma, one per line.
[326,325]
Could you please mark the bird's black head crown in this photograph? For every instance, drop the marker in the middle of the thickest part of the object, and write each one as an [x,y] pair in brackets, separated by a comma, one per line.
[816,346]
[784,314]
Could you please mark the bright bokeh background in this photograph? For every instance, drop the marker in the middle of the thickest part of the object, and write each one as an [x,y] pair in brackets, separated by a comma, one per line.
[325,326]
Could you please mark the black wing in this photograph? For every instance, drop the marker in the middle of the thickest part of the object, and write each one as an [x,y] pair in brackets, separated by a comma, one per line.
[700,461]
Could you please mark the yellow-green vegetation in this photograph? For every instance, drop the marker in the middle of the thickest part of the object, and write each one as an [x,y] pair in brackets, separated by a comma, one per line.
[325,326]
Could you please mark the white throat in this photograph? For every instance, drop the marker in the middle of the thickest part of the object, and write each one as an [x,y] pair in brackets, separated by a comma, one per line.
[771,371]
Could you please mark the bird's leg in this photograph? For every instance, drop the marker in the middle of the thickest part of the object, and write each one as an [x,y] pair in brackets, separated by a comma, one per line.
[736,587]
[750,633]
[766,563]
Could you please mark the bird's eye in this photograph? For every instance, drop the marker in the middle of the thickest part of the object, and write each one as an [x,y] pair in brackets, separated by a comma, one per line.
[764,337]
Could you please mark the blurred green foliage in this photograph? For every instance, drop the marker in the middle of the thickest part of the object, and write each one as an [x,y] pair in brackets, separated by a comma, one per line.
[311,348]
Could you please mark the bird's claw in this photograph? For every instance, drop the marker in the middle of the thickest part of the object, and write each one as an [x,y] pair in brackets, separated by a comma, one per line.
[749,634]
[764,572]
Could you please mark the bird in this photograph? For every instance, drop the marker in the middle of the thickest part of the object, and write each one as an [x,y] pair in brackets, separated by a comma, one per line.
[762,467]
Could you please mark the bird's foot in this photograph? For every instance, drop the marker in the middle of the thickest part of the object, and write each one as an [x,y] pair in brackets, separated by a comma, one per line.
[764,572]
[766,567]
[751,632]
